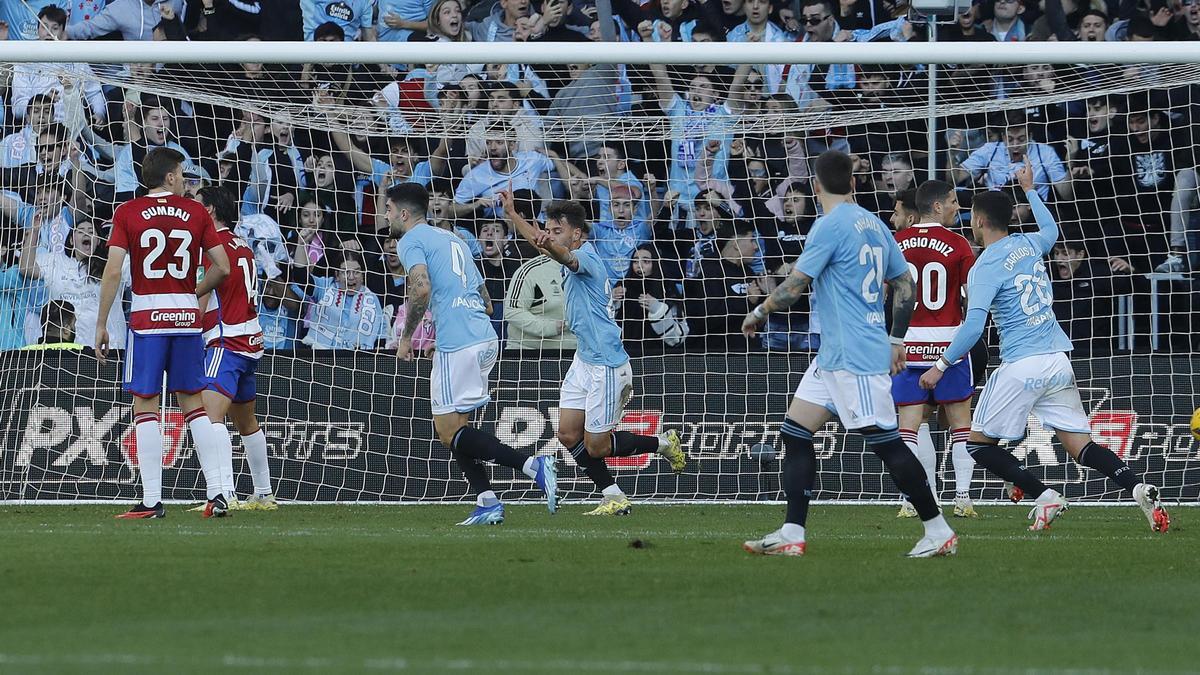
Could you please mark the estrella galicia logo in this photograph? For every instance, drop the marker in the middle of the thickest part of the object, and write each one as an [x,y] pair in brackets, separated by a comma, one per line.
[339,11]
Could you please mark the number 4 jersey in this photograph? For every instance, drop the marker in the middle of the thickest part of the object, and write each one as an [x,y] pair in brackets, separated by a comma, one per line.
[459,318]
[165,237]
[939,261]
[231,317]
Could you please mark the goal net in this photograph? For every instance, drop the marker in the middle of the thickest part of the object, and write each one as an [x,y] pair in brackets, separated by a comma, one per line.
[698,183]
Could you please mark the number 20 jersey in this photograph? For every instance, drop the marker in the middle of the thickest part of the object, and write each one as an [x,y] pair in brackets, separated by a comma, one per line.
[939,261]
[165,236]
[231,317]
[1010,279]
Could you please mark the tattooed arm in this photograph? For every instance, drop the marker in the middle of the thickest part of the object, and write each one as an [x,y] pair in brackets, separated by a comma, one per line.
[418,302]
[904,302]
[784,296]
[487,299]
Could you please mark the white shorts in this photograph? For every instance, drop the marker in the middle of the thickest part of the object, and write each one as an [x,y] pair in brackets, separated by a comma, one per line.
[1043,385]
[859,401]
[459,380]
[600,391]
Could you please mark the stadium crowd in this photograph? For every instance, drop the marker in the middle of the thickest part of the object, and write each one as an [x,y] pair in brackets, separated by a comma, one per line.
[703,222]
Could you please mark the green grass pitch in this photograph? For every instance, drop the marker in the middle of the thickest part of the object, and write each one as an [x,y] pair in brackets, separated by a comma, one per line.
[380,589]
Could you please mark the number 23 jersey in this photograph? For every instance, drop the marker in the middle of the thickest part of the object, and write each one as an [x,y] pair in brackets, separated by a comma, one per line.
[1010,279]
[165,237]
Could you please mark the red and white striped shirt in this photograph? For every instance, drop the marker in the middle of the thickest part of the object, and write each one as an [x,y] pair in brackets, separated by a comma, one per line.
[166,237]
[231,319]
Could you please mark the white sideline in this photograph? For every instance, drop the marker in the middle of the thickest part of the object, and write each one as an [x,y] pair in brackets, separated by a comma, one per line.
[33,51]
[399,664]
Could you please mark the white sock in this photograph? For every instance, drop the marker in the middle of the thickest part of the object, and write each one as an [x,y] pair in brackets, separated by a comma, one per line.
[208,451]
[256,456]
[1048,496]
[928,457]
[964,464]
[937,527]
[612,491]
[488,498]
[792,532]
[225,446]
[149,456]
[530,467]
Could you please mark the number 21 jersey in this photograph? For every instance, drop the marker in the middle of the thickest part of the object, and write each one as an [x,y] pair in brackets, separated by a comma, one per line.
[165,237]
[231,317]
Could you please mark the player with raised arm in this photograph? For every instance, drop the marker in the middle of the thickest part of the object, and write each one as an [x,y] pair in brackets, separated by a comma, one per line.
[600,380]
[939,260]
[235,344]
[164,235]
[849,257]
[1009,279]
[442,276]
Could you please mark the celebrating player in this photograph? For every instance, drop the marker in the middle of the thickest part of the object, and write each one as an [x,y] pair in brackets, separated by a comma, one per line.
[850,256]
[600,380]
[939,261]
[164,235]
[235,343]
[441,272]
[1035,374]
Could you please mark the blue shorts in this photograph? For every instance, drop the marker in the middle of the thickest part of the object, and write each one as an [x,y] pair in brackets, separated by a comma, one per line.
[147,357]
[956,385]
[231,374]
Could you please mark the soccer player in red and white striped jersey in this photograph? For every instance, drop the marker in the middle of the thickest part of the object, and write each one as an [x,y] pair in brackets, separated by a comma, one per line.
[164,235]
[235,344]
[938,259]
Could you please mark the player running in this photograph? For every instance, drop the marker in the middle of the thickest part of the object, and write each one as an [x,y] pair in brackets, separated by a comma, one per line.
[235,344]
[1035,374]
[600,380]
[442,273]
[939,260]
[164,235]
[849,257]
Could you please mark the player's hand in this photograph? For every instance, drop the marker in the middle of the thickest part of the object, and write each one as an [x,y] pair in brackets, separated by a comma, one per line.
[1024,176]
[404,349]
[428,352]
[102,342]
[931,378]
[898,360]
[750,325]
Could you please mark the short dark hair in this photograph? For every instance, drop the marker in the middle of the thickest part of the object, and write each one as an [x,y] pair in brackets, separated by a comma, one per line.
[223,204]
[54,13]
[158,163]
[57,131]
[411,196]
[835,172]
[907,199]
[932,192]
[1094,12]
[571,212]
[1141,26]
[830,8]
[996,206]
[40,100]
[329,29]
[732,229]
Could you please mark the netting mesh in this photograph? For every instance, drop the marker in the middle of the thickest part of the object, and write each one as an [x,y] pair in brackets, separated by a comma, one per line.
[698,182]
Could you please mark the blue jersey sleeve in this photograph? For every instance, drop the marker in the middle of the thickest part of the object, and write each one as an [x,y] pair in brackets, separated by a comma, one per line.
[895,265]
[817,253]
[590,264]
[981,289]
[967,335]
[1047,232]
[411,252]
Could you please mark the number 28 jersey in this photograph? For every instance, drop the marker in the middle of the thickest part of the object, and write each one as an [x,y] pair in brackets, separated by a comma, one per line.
[939,261]
[231,317]
[166,237]
[1010,279]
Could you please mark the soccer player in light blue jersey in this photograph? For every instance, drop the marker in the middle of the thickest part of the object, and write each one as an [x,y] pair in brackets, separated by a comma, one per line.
[600,380]
[1009,279]
[849,258]
[443,277]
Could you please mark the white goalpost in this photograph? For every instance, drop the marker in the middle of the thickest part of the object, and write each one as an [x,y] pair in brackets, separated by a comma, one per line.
[695,160]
